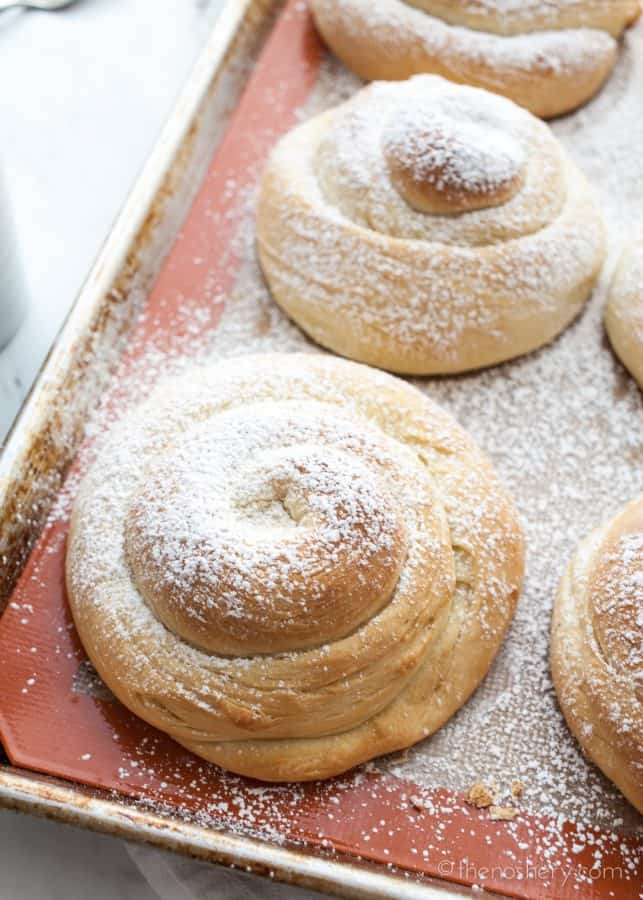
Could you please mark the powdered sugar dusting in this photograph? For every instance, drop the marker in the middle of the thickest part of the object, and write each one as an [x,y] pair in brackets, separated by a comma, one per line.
[624,311]
[628,291]
[617,597]
[463,151]
[563,427]
[395,25]
[488,142]
[510,276]
[231,530]
[583,415]
[512,17]
[363,577]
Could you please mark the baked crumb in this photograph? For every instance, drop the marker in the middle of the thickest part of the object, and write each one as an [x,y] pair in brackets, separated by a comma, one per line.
[516,788]
[479,795]
[505,813]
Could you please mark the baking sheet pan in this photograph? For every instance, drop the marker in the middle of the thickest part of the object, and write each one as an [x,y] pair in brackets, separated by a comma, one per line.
[208,300]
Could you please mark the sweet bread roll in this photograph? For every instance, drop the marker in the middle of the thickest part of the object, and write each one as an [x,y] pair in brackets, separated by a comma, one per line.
[292,564]
[425,227]
[548,56]
[624,310]
[597,649]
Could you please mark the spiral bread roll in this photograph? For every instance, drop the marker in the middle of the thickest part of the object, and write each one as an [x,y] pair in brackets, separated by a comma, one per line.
[597,649]
[549,56]
[624,310]
[425,227]
[292,564]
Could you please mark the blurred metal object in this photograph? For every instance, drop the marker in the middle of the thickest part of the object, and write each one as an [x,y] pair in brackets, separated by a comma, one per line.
[35,4]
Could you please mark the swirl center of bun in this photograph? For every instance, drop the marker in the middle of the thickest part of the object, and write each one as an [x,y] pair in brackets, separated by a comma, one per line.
[455,157]
[429,160]
[258,535]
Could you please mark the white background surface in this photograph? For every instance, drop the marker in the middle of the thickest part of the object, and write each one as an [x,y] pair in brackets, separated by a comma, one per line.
[84,95]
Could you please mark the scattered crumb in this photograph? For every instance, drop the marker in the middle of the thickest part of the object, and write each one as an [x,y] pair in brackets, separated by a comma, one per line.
[479,795]
[506,813]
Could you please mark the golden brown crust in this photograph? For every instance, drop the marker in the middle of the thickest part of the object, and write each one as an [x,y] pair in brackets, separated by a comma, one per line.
[355,446]
[624,310]
[597,649]
[549,60]
[534,15]
[368,275]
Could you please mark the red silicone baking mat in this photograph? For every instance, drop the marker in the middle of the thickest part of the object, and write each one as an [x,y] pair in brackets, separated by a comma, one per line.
[55,717]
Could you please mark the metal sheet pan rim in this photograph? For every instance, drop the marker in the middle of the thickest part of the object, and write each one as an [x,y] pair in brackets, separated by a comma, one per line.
[248,854]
